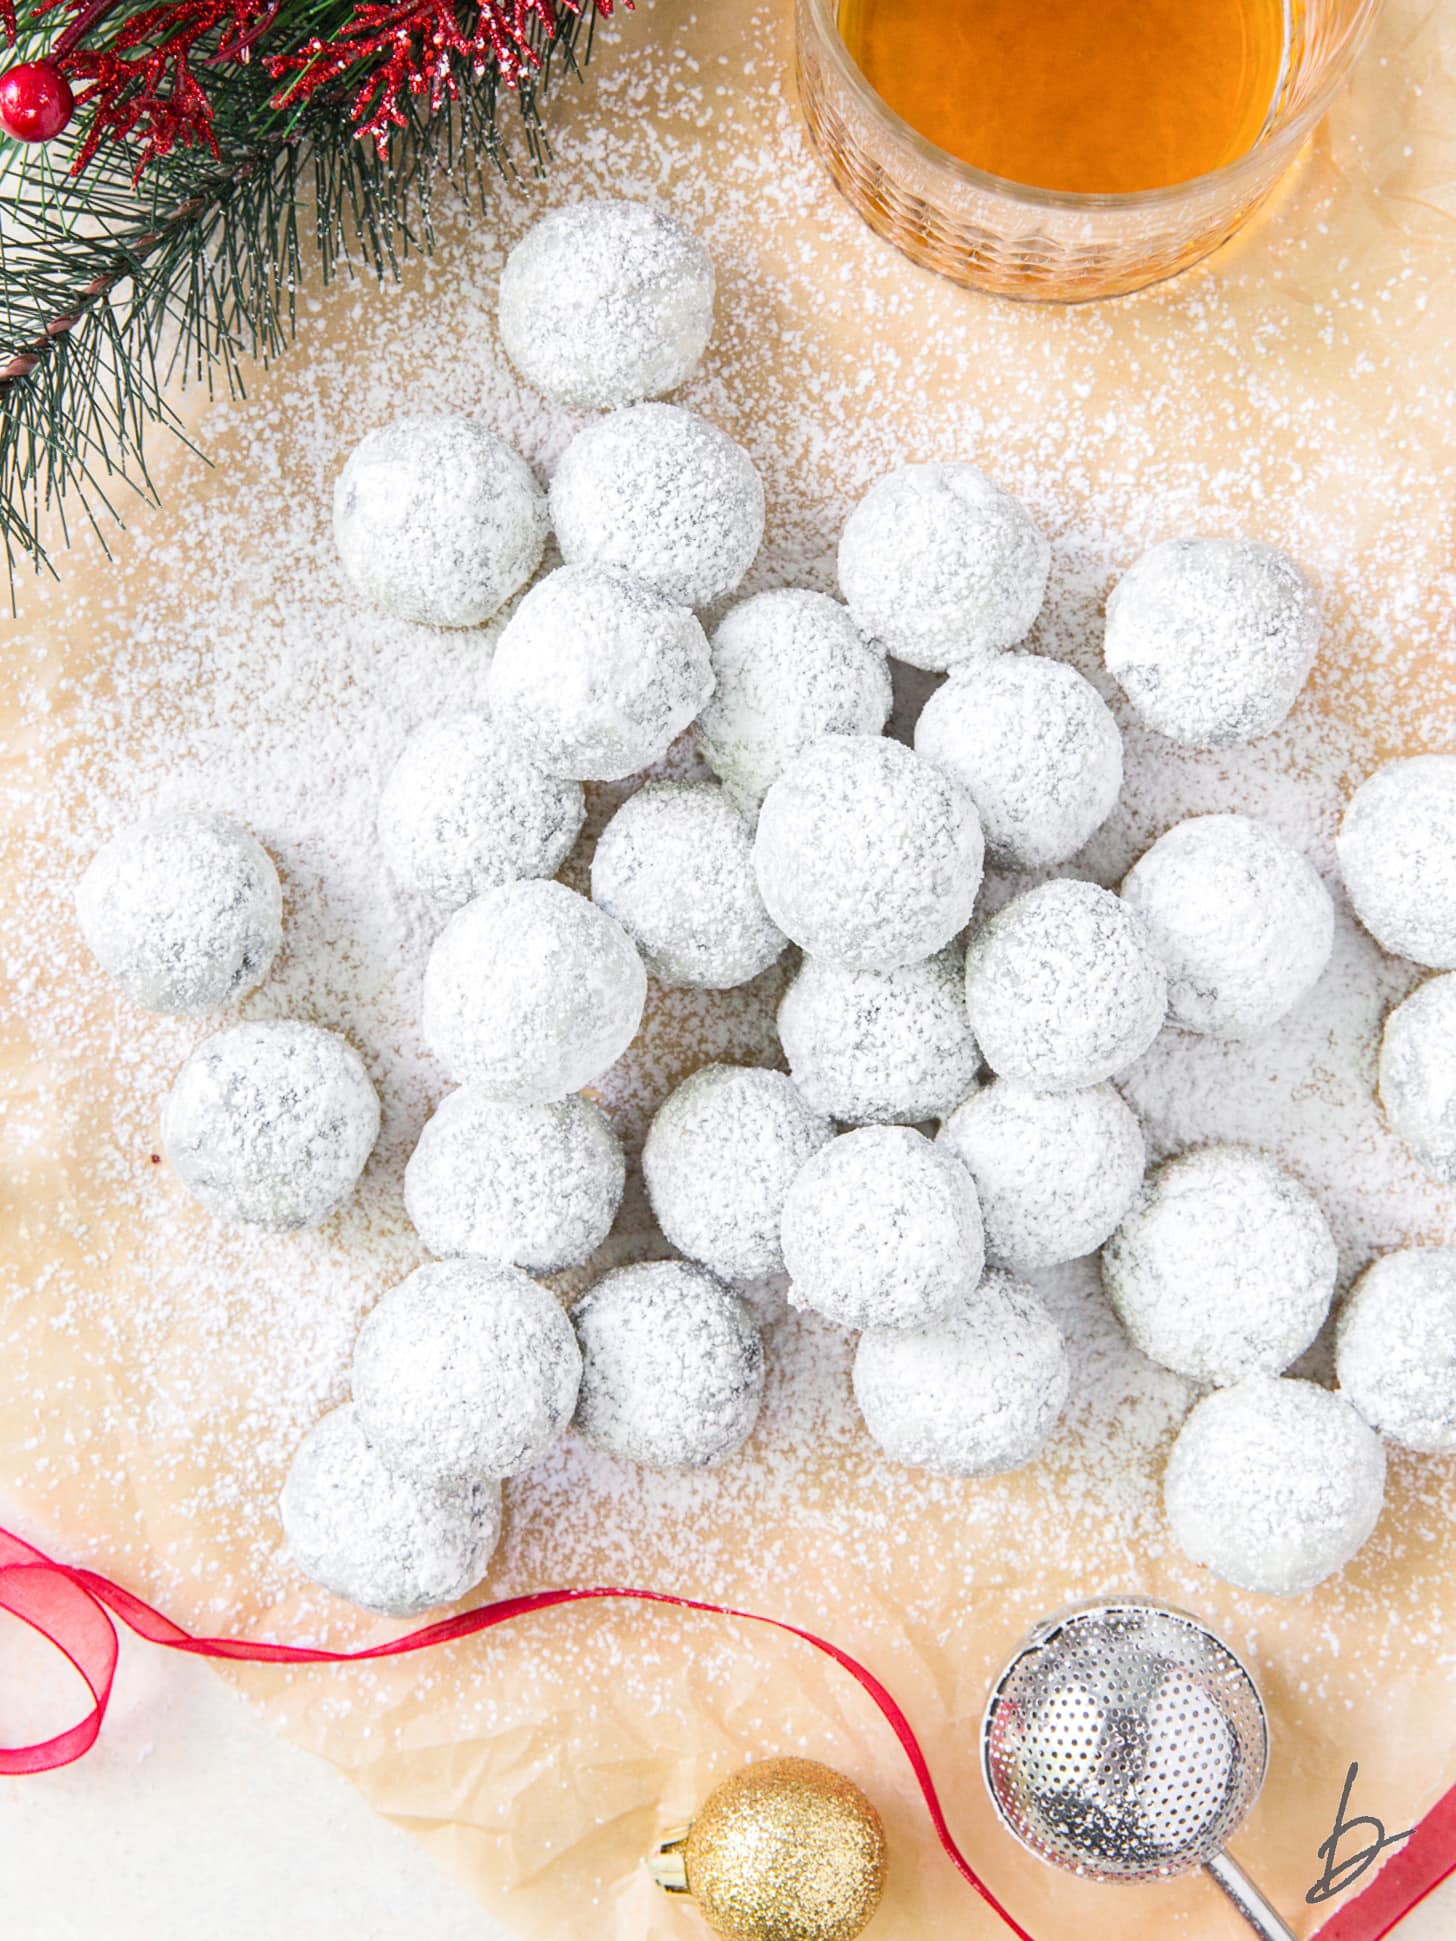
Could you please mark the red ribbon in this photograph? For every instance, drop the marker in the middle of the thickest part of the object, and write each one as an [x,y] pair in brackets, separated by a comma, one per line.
[73,1610]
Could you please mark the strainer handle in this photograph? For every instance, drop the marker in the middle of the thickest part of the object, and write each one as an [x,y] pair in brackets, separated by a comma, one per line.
[1247,1898]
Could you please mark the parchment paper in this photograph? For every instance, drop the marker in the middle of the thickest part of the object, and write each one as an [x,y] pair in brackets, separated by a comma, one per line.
[1299,386]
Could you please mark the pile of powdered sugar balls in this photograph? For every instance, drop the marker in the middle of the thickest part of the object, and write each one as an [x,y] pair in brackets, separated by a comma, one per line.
[949,1122]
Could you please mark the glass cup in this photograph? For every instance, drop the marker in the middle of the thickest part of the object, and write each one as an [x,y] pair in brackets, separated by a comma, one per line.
[1018,241]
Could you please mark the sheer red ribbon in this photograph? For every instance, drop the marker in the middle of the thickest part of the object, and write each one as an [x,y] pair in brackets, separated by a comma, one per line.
[73,1609]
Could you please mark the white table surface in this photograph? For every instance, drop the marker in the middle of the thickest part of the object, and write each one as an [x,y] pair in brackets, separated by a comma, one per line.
[190,1819]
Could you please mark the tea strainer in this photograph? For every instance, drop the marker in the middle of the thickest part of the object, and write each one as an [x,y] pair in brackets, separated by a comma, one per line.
[1126,1742]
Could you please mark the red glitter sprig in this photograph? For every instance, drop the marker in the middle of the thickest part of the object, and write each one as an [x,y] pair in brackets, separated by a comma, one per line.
[419,47]
[140,84]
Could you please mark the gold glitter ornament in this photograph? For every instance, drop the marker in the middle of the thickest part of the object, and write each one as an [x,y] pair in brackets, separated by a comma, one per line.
[787,1850]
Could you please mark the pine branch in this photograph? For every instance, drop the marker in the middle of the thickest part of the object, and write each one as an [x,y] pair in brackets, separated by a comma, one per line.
[112,290]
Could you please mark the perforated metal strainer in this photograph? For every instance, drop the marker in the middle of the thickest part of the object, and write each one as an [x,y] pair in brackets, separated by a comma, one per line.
[1126,1742]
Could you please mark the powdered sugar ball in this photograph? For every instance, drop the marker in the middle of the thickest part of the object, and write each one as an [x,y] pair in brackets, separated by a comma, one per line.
[789,666]
[1055,1171]
[531,992]
[464,810]
[378,1538]
[672,1366]
[1396,1352]
[603,303]
[269,1124]
[1397,851]
[438,520]
[1064,988]
[465,1370]
[1224,1267]
[866,855]
[975,1392]
[183,910]
[1212,639]
[595,674]
[1241,921]
[664,494]
[1418,1075]
[535,1186]
[871,1047]
[1036,749]
[1274,1485]
[720,1156]
[881,1230]
[674,866]
[942,566]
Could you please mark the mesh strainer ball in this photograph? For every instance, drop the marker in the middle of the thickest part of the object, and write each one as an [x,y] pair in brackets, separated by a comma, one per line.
[1125,1742]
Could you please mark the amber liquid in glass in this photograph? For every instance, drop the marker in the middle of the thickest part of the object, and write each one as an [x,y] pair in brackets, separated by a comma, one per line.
[1096,96]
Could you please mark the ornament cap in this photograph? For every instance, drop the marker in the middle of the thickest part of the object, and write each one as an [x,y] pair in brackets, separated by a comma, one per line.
[668,1861]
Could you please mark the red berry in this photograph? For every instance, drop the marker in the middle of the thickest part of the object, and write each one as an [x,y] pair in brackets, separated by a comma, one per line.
[36,101]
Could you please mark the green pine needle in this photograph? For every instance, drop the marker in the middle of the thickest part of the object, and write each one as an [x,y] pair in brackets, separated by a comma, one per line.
[187,273]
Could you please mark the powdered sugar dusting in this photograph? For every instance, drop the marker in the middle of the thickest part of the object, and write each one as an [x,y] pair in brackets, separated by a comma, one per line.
[1212,639]
[882,1229]
[184,911]
[789,665]
[463,812]
[942,566]
[973,1392]
[1397,850]
[377,1537]
[1274,1484]
[1241,921]
[880,1046]
[672,1366]
[1396,1357]
[270,1123]
[1064,987]
[1224,1266]
[867,855]
[533,1186]
[674,867]
[663,494]
[1054,1172]
[1035,748]
[606,302]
